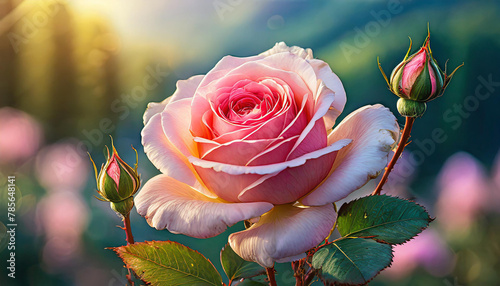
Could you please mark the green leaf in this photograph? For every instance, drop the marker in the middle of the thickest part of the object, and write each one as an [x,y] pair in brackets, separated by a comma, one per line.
[383,218]
[236,267]
[163,263]
[351,261]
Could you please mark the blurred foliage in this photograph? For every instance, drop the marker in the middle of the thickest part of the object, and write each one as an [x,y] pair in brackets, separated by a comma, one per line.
[71,67]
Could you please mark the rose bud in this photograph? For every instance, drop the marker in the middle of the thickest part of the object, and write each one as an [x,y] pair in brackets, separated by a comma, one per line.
[417,80]
[117,182]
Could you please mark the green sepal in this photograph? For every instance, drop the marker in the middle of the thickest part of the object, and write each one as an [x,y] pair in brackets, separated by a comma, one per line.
[123,207]
[409,49]
[101,199]
[95,170]
[109,189]
[411,108]
[422,88]
[136,159]
[126,186]
[396,75]
[447,78]
[383,73]
[439,77]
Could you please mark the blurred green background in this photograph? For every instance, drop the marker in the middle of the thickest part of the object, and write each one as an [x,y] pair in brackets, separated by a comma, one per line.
[72,72]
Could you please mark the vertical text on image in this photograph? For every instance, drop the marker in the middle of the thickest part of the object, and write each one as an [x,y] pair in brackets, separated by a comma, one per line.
[11,226]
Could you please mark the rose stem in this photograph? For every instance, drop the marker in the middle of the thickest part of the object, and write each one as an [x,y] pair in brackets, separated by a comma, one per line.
[397,154]
[128,230]
[130,240]
[296,265]
[309,276]
[270,276]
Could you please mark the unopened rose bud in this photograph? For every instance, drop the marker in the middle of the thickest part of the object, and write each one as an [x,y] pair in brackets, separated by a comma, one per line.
[117,183]
[417,80]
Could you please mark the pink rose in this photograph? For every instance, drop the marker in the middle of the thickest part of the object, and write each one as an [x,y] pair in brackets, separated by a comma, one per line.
[249,140]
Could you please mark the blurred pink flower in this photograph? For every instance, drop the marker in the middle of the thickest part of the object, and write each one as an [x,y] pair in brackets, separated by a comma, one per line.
[62,217]
[463,192]
[496,171]
[62,166]
[21,135]
[495,192]
[427,250]
[62,170]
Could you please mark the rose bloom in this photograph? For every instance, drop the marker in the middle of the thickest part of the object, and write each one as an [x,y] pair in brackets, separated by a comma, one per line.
[253,140]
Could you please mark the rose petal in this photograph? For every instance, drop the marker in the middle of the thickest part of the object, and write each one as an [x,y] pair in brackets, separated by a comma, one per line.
[228,181]
[264,100]
[374,131]
[154,108]
[200,103]
[184,89]
[225,65]
[296,65]
[292,70]
[201,118]
[281,47]
[273,128]
[175,123]
[168,203]
[297,125]
[269,169]
[274,154]
[316,139]
[333,83]
[237,152]
[283,234]
[290,184]
[166,158]
[412,70]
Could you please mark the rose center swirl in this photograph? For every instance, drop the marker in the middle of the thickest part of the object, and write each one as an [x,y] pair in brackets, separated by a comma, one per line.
[250,102]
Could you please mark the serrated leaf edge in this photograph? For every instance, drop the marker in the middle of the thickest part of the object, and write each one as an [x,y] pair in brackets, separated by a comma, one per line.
[119,252]
[348,284]
[430,219]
